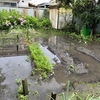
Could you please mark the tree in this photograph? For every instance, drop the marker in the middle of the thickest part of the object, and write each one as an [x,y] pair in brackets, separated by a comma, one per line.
[88,11]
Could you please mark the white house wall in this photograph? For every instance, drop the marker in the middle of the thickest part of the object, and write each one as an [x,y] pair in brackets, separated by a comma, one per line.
[23,4]
[53,16]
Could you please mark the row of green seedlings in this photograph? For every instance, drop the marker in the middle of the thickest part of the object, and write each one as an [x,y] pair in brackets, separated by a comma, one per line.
[43,66]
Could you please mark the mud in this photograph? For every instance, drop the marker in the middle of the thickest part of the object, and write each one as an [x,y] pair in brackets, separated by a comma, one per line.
[67,59]
[85,69]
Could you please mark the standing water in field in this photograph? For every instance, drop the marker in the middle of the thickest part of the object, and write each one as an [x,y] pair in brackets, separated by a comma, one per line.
[74,62]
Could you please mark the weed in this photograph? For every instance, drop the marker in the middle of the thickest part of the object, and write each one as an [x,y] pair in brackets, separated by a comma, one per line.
[27,59]
[32,73]
[66,96]
[18,81]
[20,89]
[35,93]
[22,97]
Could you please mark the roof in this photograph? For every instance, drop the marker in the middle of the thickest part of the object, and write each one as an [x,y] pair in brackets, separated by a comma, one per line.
[54,5]
[9,0]
[42,5]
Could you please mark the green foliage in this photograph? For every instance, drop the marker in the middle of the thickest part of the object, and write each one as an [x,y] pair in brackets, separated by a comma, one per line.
[35,93]
[80,38]
[66,95]
[75,96]
[14,19]
[32,73]
[20,89]
[11,19]
[32,21]
[41,61]
[18,81]
[22,97]
[88,12]
[89,97]
[44,23]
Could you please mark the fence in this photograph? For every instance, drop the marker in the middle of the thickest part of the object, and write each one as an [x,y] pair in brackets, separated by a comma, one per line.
[28,11]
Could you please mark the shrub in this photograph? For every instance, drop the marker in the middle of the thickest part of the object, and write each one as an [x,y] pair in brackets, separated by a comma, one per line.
[44,23]
[31,21]
[11,19]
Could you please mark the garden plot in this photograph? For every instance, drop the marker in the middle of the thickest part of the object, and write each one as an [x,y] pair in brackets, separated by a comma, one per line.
[17,67]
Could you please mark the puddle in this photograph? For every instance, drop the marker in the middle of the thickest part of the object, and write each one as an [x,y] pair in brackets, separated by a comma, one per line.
[16,67]
[50,54]
[13,68]
[79,58]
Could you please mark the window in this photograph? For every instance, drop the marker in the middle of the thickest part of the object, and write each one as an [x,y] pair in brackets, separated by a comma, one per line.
[13,4]
[6,3]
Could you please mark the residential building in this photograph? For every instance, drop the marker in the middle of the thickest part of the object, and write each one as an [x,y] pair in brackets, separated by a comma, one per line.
[9,3]
[23,3]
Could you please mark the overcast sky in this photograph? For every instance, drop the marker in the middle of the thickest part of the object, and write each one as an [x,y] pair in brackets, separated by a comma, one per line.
[39,1]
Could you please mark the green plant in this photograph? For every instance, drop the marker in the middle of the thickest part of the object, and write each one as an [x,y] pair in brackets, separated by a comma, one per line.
[18,81]
[22,97]
[40,59]
[32,73]
[31,21]
[71,66]
[44,75]
[11,19]
[66,95]
[20,89]
[44,23]
[27,59]
[89,97]
[88,12]
[35,93]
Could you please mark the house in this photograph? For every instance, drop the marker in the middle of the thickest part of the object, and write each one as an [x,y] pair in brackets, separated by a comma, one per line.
[23,3]
[14,3]
[59,17]
[9,3]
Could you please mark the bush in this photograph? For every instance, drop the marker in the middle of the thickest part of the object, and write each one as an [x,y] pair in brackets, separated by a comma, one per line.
[11,19]
[32,21]
[44,23]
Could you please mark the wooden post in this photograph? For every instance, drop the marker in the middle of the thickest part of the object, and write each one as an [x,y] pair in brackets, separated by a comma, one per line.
[53,96]
[17,44]
[17,47]
[17,38]
[25,87]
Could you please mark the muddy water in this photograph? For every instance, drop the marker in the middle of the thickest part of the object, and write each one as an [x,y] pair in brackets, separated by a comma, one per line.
[93,65]
[12,68]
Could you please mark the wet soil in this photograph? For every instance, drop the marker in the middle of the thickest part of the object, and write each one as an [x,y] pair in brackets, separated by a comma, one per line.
[16,67]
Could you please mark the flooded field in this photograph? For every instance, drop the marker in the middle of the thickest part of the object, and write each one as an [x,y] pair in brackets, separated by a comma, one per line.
[78,63]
